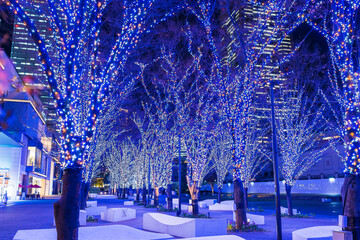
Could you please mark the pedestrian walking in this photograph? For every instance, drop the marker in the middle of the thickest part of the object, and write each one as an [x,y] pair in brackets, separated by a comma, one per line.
[5,198]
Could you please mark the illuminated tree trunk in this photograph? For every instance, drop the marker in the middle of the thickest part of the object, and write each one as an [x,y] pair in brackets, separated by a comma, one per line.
[219,195]
[66,209]
[144,195]
[137,195]
[169,197]
[350,193]
[156,196]
[246,198]
[289,199]
[212,188]
[240,213]
[194,193]
[85,186]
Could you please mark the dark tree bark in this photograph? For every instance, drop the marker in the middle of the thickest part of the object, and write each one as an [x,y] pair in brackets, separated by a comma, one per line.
[240,213]
[246,198]
[144,196]
[66,209]
[194,193]
[219,195]
[123,193]
[212,187]
[169,197]
[289,199]
[137,195]
[85,186]
[156,196]
[118,192]
[350,193]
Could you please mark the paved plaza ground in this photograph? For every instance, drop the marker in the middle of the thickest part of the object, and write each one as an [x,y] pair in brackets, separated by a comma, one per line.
[38,214]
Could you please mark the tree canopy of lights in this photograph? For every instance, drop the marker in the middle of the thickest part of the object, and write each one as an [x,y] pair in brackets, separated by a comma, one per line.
[300,129]
[220,153]
[338,25]
[119,161]
[257,155]
[244,62]
[80,75]
[161,118]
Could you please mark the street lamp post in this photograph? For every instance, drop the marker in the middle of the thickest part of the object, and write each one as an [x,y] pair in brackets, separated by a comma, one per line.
[275,165]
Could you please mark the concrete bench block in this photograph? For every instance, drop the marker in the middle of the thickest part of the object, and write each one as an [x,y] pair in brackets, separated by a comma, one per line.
[315,233]
[202,204]
[227,202]
[129,203]
[342,235]
[82,218]
[109,232]
[284,210]
[253,218]
[92,195]
[210,202]
[221,207]
[95,210]
[118,214]
[183,227]
[91,203]
[220,237]
[104,196]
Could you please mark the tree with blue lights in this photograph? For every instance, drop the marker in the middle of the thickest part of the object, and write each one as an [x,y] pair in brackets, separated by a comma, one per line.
[144,146]
[338,22]
[161,115]
[119,162]
[300,126]
[256,154]
[243,61]
[80,77]
[220,154]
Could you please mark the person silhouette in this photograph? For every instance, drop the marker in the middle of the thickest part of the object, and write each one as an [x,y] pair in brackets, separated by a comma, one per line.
[5,198]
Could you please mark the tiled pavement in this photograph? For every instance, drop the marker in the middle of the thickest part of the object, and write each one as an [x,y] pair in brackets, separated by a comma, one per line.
[37,214]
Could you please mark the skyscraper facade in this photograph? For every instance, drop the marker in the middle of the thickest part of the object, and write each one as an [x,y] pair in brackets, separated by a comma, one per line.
[24,55]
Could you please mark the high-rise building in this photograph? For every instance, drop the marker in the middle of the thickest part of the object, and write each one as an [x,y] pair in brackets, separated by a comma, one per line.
[268,64]
[24,55]
[6,28]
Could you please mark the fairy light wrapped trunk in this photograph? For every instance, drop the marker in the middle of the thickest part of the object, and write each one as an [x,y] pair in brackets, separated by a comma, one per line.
[80,77]
[340,28]
[300,120]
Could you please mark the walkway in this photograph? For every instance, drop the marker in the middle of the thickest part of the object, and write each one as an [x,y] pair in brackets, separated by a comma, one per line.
[38,214]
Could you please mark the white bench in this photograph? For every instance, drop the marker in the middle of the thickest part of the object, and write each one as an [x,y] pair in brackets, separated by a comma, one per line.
[318,233]
[222,207]
[253,218]
[91,203]
[184,227]
[210,202]
[228,202]
[284,210]
[109,232]
[118,214]
[82,218]
[220,237]
[95,210]
[129,203]
[105,196]
[92,195]
[202,204]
